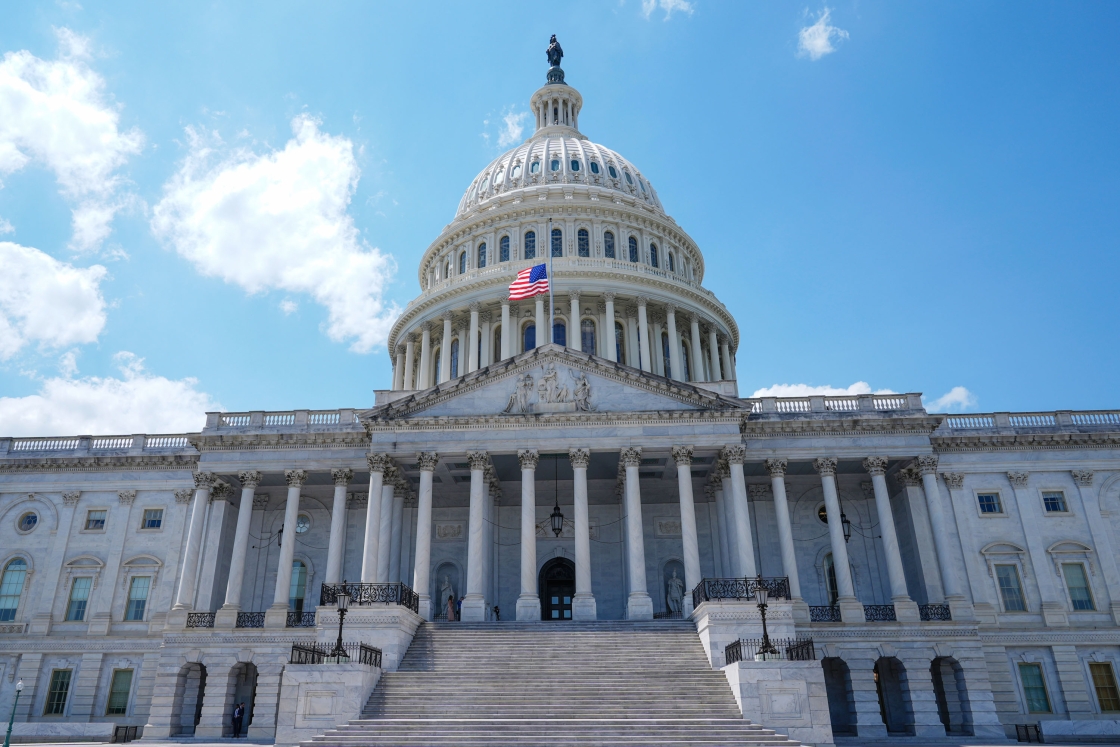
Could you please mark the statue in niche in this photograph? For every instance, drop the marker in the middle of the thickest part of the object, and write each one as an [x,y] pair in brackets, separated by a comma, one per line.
[674,593]
[549,388]
[446,590]
[554,52]
[582,396]
[519,400]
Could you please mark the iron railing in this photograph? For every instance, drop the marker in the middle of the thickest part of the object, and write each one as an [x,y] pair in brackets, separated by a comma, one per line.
[824,613]
[200,619]
[401,594]
[879,613]
[323,653]
[738,588]
[301,620]
[1028,733]
[928,612]
[789,649]
[670,615]
[250,619]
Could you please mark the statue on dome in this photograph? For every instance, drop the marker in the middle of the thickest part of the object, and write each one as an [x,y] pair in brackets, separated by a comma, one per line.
[554,52]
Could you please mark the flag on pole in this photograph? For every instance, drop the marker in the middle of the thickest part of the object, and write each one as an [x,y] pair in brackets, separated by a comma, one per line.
[530,282]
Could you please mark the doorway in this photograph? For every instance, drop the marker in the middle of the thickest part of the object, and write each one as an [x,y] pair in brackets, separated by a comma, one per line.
[557,585]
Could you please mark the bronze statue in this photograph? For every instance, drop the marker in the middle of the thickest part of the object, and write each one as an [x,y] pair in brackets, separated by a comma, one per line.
[554,52]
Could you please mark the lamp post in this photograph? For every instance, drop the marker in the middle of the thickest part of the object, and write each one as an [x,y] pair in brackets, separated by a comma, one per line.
[12,718]
[342,601]
[556,516]
[761,595]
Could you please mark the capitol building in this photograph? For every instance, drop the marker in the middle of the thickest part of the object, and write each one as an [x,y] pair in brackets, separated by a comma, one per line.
[633,552]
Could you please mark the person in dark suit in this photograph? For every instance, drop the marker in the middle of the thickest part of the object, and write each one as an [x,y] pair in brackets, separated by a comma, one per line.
[238,717]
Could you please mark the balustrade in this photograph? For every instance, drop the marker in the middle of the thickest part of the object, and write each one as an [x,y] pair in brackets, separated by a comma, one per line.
[740,589]
[827,613]
[789,649]
[362,594]
[200,619]
[879,613]
[929,612]
[325,653]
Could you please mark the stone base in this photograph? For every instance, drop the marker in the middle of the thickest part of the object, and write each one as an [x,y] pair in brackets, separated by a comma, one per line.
[1114,608]
[906,610]
[799,610]
[1055,730]
[315,698]
[961,609]
[583,607]
[177,619]
[639,606]
[426,607]
[474,608]
[226,617]
[388,627]
[528,608]
[276,616]
[720,622]
[41,625]
[787,696]
[63,731]
[851,610]
[99,623]
[1054,615]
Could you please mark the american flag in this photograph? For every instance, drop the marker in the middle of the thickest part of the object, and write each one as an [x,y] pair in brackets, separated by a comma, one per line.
[530,282]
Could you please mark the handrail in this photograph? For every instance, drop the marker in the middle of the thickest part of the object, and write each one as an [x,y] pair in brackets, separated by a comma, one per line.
[362,594]
[789,649]
[324,653]
[711,589]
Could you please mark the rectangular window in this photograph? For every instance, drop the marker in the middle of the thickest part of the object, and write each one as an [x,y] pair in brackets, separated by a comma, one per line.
[1079,594]
[118,693]
[1104,680]
[1055,501]
[79,595]
[57,692]
[153,518]
[137,597]
[1010,588]
[1034,688]
[96,519]
[989,503]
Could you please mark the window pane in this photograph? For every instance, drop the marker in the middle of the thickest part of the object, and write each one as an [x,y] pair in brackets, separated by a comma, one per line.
[79,595]
[503,249]
[633,249]
[137,598]
[454,359]
[11,586]
[482,255]
[57,692]
[620,344]
[583,243]
[297,590]
[587,337]
[530,337]
[153,518]
[1054,500]
[830,579]
[989,503]
[608,245]
[594,167]
[557,243]
[95,520]
[653,255]
[118,693]
[666,358]
[559,333]
[1078,585]
[1034,688]
[1104,680]
[530,245]
[1010,588]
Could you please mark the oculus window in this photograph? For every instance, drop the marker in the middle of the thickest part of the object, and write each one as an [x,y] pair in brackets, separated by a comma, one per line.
[555,164]
[575,165]
[612,172]
[516,171]
[28,521]
[535,167]
[594,167]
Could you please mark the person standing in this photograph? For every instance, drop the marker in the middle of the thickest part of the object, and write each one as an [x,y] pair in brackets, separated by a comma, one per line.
[450,609]
[238,716]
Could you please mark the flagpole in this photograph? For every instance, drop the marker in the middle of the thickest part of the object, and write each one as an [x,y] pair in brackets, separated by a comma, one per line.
[551,306]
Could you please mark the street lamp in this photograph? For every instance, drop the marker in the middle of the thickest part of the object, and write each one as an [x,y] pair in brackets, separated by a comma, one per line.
[19,689]
[762,595]
[557,519]
[846,523]
[342,601]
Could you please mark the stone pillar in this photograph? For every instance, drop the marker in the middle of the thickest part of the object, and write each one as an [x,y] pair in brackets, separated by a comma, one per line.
[377,464]
[744,546]
[398,370]
[715,507]
[697,357]
[725,356]
[395,534]
[529,601]
[83,688]
[445,349]
[472,339]
[544,335]
[865,698]
[923,697]
[409,360]
[474,603]
[726,496]
[657,353]
[674,343]
[421,581]
[217,701]
[425,378]
[385,524]
[639,605]
[682,455]
[1083,478]
[905,609]
[486,356]
[851,611]
[611,349]
[643,335]
[713,351]
[277,615]
[266,703]
[507,350]
[777,470]
[574,341]
[583,603]
[341,479]
[943,536]
[203,482]
[249,482]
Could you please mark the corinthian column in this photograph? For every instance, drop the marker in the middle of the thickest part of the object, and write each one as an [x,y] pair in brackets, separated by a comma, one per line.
[409,362]
[904,607]
[643,335]
[639,606]
[472,341]
[249,482]
[777,470]
[385,524]
[445,349]
[398,370]
[959,606]
[474,604]
[744,545]
[850,608]
[674,343]
[342,478]
[713,352]
[529,602]
[377,464]
[583,603]
[611,349]
[425,356]
[203,483]
[277,615]
[421,581]
[697,357]
[682,455]
[573,323]
[506,334]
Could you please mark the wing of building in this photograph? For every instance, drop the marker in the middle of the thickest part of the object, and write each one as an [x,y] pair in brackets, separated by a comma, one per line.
[594,500]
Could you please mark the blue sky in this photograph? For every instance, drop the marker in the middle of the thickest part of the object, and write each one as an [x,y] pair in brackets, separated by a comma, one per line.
[209,207]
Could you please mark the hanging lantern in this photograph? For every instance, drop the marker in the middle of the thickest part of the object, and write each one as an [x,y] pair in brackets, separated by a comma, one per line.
[847,524]
[557,519]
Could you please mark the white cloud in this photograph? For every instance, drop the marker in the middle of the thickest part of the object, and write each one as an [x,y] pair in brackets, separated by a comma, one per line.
[288,306]
[512,128]
[807,390]
[6,227]
[135,403]
[68,364]
[46,301]
[815,41]
[56,113]
[957,399]
[279,220]
[648,6]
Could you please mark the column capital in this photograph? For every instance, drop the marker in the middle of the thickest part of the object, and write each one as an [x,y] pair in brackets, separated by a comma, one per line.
[427,460]
[478,460]
[204,480]
[875,465]
[735,454]
[505,300]
[927,464]
[601,307]
[426,326]
[573,296]
[776,467]
[181,496]
[377,462]
[342,476]
[70,497]
[609,297]
[450,315]
[295,477]
[826,466]
[1017,479]
[721,471]
[642,300]
[671,309]
[631,456]
[474,306]
[909,477]
[579,457]
[485,317]
[694,319]
[528,458]
[955,480]
[758,492]
[221,492]
[126,497]
[723,339]
[260,501]
[402,350]
[682,455]
[631,312]
[1083,477]
[249,478]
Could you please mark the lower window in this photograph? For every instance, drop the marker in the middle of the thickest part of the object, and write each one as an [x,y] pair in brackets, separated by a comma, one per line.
[57,692]
[1104,681]
[1034,688]
[118,693]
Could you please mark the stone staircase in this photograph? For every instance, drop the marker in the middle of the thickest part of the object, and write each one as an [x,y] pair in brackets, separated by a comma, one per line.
[568,683]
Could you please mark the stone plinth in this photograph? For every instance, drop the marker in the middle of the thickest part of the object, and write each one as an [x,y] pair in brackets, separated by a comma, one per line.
[62,731]
[318,697]
[721,622]
[1085,731]
[388,627]
[787,696]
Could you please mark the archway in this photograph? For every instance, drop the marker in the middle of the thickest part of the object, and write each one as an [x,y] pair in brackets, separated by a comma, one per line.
[952,697]
[890,679]
[243,689]
[557,585]
[186,708]
[838,687]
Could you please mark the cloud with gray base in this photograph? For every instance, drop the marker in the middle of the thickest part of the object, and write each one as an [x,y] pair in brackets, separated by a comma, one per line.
[817,40]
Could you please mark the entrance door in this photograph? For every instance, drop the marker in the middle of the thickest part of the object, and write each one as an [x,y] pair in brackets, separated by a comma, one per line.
[557,587]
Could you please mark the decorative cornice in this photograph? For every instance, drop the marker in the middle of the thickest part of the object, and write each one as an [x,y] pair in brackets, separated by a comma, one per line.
[875,465]
[682,455]
[579,458]
[342,477]
[826,466]
[250,478]
[126,497]
[427,460]
[954,480]
[758,425]
[295,477]
[528,458]
[132,463]
[1018,479]
[776,467]
[631,456]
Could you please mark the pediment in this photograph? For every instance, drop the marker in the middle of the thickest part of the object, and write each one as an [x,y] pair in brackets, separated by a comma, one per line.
[554,380]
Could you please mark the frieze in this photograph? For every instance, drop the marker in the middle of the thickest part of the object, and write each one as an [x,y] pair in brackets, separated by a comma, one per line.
[667,527]
[449,531]
[101,463]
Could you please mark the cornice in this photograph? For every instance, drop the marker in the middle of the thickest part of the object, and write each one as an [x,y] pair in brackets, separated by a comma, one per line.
[906,425]
[100,463]
[1020,441]
[281,441]
[570,420]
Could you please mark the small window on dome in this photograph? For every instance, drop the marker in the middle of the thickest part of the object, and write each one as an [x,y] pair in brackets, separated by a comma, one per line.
[516,171]
[583,243]
[628,179]
[653,255]
[640,184]
[470,195]
[555,165]
[669,259]
[633,242]
[608,245]
[612,172]
[503,249]
[535,167]
[500,176]
[462,262]
[530,244]
[485,183]
[575,165]
[594,167]
[482,254]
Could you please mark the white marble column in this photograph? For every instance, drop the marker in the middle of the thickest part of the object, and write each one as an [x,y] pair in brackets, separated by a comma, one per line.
[277,615]
[726,497]
[690,543]
[657,353]
[385,524]
[421,581]
[472,339]
[377,464]
[633,354]
[906,610]
[611,349]
[396,535]
[474,602]
[544,334]
[445,349]
[674,343]
[777,470]
[486,356]
[507,348]
[639,605]
[713,350]
[959,606]
[573,322]
[583,603]
[529,601]
[342,478]
[850,608]
[725,357]
[697,357]
[203,483]
[425,379]
[249,481]
[398,370]
[643,335]
[715,506]
[744,544]
[409,363]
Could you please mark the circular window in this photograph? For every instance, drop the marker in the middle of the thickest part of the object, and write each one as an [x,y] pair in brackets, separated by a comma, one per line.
[594,167]
[575,165]
[822,514]
[628,179]
[303,523]
[555,165]
[612,172]
[534,167]
[516,171]
[28,521]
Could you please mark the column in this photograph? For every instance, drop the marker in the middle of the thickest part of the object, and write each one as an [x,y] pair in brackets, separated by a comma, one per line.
[506,351]
[674,343]
[573,324]
[868,716]
[203,482]
[461,333]
[409,356]
[421,581]
[906,610]
[656,352]
[726,497]
[529,601]
[725,356]
[633,356]
[643,335]
[777,470]
[473,601]
[472,340]
[385,524]
[395,534]
[682,455]
[713,350]
[398,370]
[697,357]
[425,378]
[342,478]
[744,546]
[1083,478]
[715,506]
[850,608]
[544,335]
[639,605]
[377,464]
[445,347]
[959,606]
[277,615]
[611,349]
[487,356]
[583,603]
[600,327]
[249,482]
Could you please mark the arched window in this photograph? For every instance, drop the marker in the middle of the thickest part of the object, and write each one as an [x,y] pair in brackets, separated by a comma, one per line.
[503,249]
[437,362]
[447,269]
[516,171]
[482,254]
[587,337]
[297,590]
[454,359]
[575,165]
[612,172]
[11,587]
[608,245]
[653,255]
[555,164]
[462,262]
[665,355]
[529,337]
[559,333]
[530,244]
[830,579]
[583,243]
[669,257]
[535,167]
[620,343]
[633,249]
[557,243]
[594,167]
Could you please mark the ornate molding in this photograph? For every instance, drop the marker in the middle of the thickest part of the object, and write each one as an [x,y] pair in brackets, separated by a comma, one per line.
[721,470]
[528,458]
[250,478]
[377,462]
[427,460]
[682,455]
[479,460]
[184,495]
[758,492]
[631,456]
[260,501]
[579,457]
[342,476]
[826,466]
[221,492]
[295,477]
[70,498]
[776,467]
[357,500]
[1083,477]
[204,480]
[1018,479]
[126,497]
[875,465]
[954,480]
[909,477]
[927,464]
[736,454]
